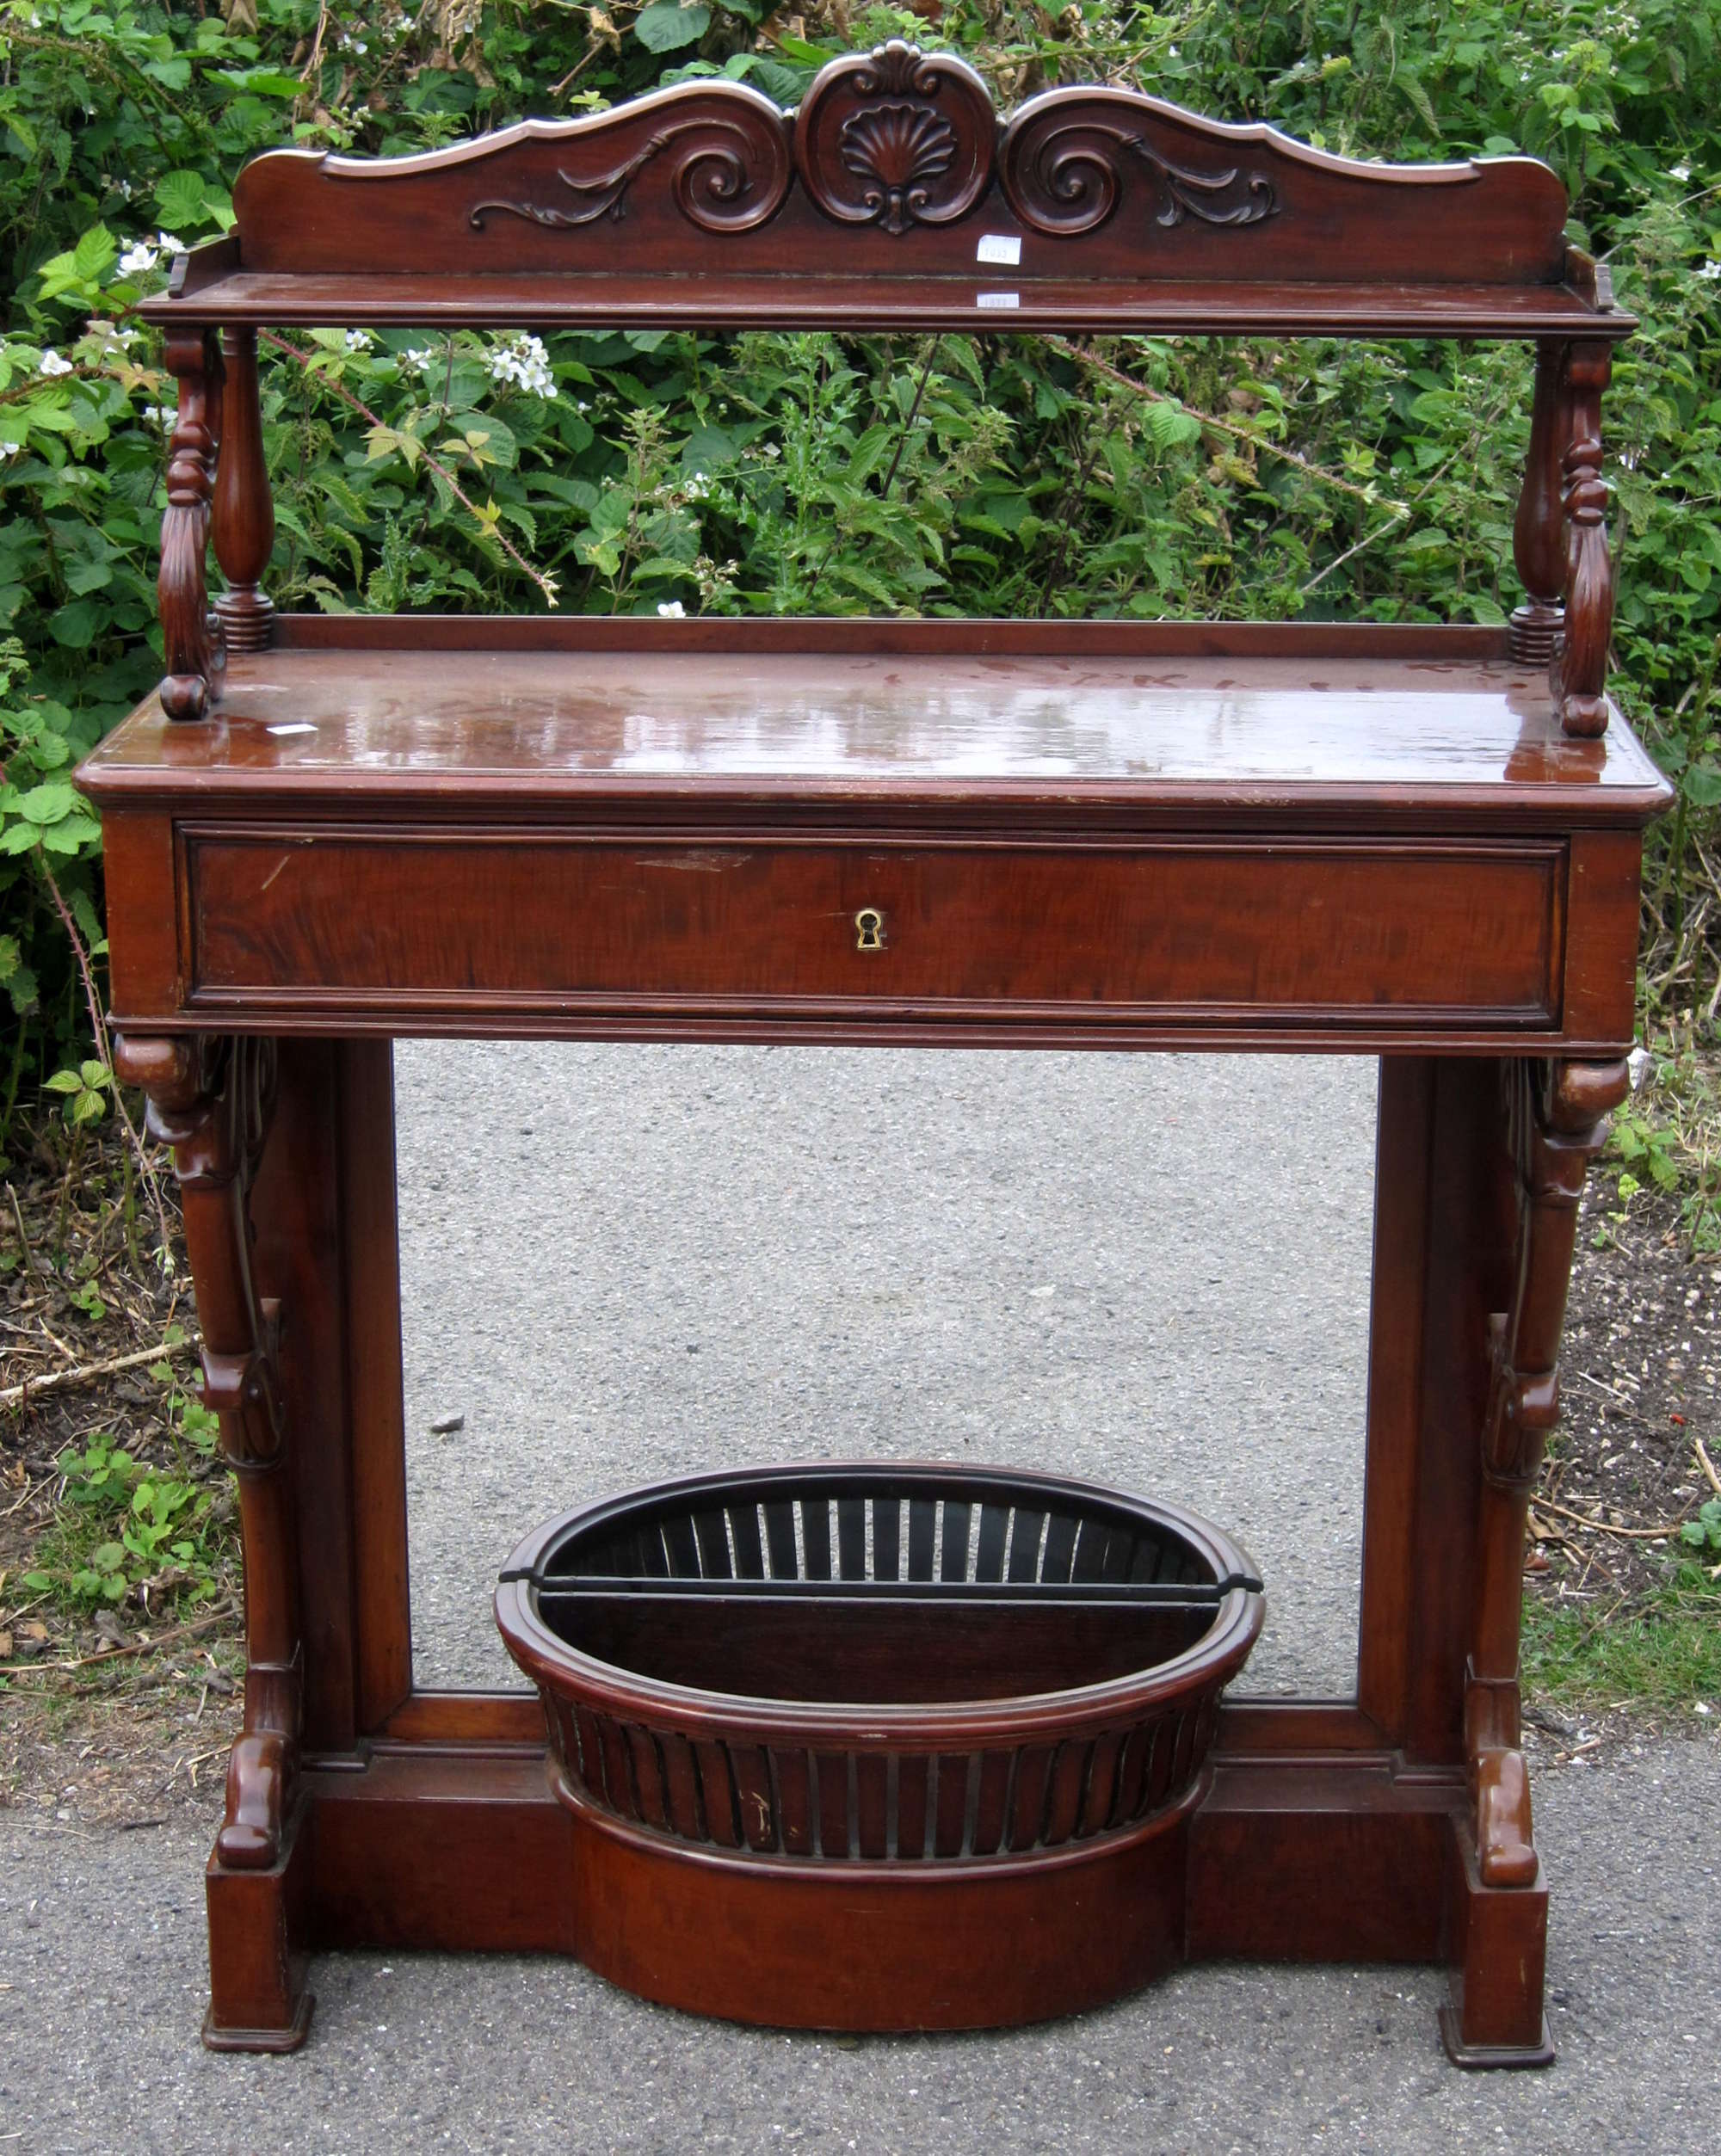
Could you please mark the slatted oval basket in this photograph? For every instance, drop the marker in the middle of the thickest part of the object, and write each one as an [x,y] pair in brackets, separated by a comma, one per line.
[884,1679]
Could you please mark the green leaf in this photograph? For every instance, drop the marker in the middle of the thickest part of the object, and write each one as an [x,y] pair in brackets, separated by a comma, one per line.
[63,1081]
[48,803]
[108,1557]
[666,27]
[180,198]
[77,625]
[96,251]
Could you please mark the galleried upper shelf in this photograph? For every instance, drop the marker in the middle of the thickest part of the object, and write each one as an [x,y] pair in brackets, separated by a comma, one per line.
[896,197]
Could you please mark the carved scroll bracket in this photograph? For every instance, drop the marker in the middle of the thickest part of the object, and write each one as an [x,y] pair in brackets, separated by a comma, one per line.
[182,589]
[211,1100]
[1579,673]
[895,138]
[1555,1122]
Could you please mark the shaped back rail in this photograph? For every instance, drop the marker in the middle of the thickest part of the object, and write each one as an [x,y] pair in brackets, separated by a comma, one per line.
[895,197]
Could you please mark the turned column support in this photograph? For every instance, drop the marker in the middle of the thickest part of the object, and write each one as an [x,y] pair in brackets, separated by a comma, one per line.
[211,1100]
[1579,669]
[1556,1121]
[187,689]
[243,519]
[1538,530]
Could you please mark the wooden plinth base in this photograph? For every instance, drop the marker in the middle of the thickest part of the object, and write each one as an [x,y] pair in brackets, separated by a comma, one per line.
[260,1925]
[1336,1855]
[969,1944]
[1497,1950]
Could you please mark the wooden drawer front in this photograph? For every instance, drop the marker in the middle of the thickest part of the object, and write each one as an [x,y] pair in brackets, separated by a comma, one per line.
[434,920]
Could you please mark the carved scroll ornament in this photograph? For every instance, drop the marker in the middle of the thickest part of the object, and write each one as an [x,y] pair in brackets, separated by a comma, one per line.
[1555,1119]
[1065,165]
[725,153]
[895,138]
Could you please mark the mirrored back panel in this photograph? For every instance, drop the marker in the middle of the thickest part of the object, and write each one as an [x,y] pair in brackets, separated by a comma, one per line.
[624,1263]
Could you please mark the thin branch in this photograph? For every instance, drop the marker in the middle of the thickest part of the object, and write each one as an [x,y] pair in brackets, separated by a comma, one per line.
[1607,1527]
[1393,521]
[57,1380]
[546,584]
[1088,357]
[105,1046]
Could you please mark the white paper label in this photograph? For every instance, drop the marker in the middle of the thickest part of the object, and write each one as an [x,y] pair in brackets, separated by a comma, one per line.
[294,726]
[997,299]
[999,247]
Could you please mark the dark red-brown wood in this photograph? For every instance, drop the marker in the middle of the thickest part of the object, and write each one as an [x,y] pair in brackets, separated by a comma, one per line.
[322,831]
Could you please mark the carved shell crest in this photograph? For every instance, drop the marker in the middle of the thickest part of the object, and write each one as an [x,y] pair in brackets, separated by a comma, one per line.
[899,150]
[895,138]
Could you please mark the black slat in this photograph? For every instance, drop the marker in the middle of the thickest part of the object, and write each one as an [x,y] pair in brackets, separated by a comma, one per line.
[713,1546]
[923,1532]
[887,1537]
[957,1518]
[1060,1547]
[779,1535]
[851,1537]
[816,1536]
[743,1528]
[988,1558]
[683,1549]
[1025,1540]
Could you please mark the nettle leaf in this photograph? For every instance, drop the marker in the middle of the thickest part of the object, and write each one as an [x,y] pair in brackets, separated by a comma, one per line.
[666,27]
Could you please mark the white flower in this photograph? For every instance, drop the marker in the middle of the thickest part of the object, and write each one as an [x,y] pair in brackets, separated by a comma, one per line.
[1710,272]
[169,245]
[162,414]
[53,364]
[698,487]
[523,362]
[672,610]
[360,340]
[138,260]
[1679,172]
[10,448]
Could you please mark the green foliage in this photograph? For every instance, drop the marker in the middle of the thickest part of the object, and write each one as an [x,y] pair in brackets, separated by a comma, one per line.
[647,471]
[1666,1655]
[1703,1534]
[127,1531]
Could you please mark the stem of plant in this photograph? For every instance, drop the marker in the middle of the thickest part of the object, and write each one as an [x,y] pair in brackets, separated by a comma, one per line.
[98,1025]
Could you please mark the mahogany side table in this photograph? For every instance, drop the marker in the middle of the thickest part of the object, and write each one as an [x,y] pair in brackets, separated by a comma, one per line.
[1417,843]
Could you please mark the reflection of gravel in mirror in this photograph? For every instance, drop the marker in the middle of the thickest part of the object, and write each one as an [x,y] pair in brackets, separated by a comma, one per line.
[625,1263]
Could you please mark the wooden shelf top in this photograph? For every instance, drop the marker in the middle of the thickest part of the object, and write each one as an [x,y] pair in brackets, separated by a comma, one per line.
[395,714]
[980,302]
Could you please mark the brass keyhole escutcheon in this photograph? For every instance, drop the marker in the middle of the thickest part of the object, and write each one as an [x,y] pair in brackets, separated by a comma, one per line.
[869,929]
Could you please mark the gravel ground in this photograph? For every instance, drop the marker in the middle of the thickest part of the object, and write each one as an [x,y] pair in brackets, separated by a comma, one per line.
[625,1263]
[102,1988]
